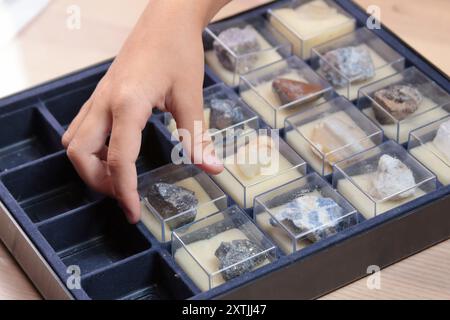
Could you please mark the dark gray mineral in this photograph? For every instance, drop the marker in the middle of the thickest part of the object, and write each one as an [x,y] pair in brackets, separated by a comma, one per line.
[224,113]
[169,200]
[352,63]
[399,101]
[241,42]
[230,253]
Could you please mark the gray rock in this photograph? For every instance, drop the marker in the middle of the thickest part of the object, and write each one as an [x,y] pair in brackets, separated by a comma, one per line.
[224,113]
[230,253]
[169,200]
[240,42]
[399,101]
[353,63]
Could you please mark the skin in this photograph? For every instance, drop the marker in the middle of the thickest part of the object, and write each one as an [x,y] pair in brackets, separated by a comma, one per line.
[152,70]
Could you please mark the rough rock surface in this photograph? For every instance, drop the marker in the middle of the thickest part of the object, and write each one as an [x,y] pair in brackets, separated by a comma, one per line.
[352,63]
[392,176]
[291,90]
[241,41]
[169,200]
[399,101]
[224,114]
[442,139]
[230,253]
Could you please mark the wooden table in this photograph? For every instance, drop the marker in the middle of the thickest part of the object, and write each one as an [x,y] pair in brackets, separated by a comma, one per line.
[47,49]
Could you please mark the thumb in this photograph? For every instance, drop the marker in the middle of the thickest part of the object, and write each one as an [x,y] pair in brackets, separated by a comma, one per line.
[187,110]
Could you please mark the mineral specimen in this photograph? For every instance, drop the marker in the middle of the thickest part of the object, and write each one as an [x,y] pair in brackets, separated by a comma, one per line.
[399,101]
[442,139]
[391,178]
[336,132]
[224,113]
[169,200]
[352,64]
[291,90]
[241,42]
[242,255]
[312,213]
[256,157]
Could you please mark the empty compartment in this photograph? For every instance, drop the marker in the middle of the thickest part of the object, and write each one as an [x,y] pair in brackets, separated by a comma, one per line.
[303,212]
[330,133]
[146,277]
[94,237]
[175,195]
[256,163]
[282,89]
[382,178]
[66,106]
[355,60]
[404,102]
[220,248]
[25,136]
[310,23]
[431,146]
[224,113]
[48,188]
[237,46]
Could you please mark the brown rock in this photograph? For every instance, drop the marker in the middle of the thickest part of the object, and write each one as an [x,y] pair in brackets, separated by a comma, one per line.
[291,90]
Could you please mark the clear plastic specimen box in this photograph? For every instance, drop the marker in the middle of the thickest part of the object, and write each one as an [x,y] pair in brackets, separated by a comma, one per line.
[303,212]
[255,163]
[431,146]
[220,248]
[176,195]
[282,89]
[381,179]
[403,102]
[331,132]
[309,23]
[225,114]
[355,60]
[237,46]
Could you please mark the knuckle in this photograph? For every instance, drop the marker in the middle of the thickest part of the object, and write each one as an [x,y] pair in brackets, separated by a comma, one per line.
[73,152]
[65,140]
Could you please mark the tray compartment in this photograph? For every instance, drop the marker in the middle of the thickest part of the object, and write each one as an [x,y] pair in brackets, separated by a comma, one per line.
[94,236]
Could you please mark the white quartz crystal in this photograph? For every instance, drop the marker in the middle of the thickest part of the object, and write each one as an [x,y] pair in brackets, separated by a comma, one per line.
[392,176]
[442,139]
[255,156]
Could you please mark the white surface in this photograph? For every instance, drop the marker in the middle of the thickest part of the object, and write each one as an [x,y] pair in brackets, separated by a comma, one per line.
[427,154]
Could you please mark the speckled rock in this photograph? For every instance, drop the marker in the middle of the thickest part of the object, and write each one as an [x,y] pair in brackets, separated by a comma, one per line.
[224,113]
[353,63]
[291,90]
[392,176]
[399,101]
[169,200]
[240,41]
[230,253]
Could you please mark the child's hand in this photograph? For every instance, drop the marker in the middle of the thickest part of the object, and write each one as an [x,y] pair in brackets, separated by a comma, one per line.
[160,65]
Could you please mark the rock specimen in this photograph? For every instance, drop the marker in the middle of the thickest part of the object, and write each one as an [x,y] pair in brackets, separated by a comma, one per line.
[236,251]
[352,64]
[312,213]
[399,101]
[241,42]
[224,113]
[335,132]
[291,90]
[442,139]
[169,200]
[392,176]
[256,157]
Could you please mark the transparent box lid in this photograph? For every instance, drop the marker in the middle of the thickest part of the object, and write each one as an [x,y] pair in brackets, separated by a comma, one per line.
[225,114]
[430,145]
[220,248]
[310,23]
[382,178]
[255,163]
[331,132]
[237,46]
[175,195]
[282,89]
[372,60]
[303,212]
[403,102]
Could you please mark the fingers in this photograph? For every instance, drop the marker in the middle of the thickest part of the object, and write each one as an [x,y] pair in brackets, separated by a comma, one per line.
[75,124]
